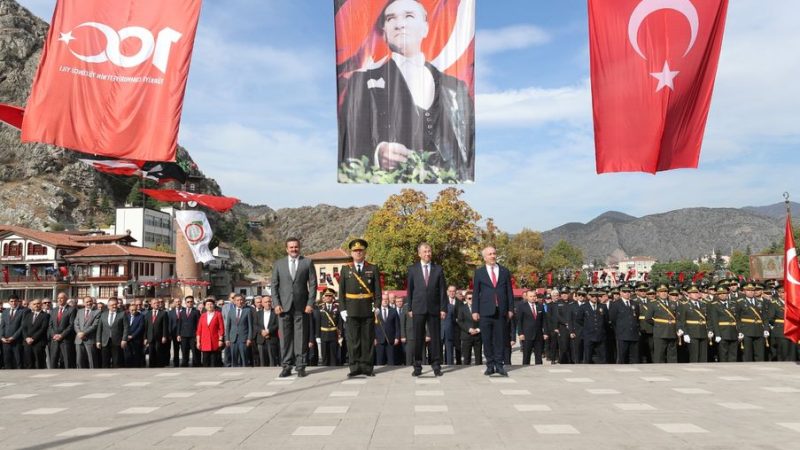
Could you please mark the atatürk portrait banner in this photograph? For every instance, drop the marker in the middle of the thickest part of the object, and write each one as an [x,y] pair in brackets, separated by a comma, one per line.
[406,92]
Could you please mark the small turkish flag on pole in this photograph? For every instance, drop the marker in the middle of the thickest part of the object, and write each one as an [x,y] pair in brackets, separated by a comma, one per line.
[653,64]
[791,283]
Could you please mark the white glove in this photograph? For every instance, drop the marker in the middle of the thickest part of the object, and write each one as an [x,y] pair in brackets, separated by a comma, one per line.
[717,339]
[766,333]
[686,338]
[710,334]
[680,333]
[343,315]
[741,336]
[319,341]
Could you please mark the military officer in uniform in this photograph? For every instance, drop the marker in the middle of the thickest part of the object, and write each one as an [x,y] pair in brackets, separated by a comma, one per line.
[722,319]
[561,316]
[753,329]
[359,295]
[576,336]
[776,311]
[693,325]
[329,333]
[646,328]
[663,317]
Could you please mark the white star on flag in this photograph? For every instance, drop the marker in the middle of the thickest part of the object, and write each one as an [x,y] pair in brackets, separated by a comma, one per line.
[66,37]
[665,77]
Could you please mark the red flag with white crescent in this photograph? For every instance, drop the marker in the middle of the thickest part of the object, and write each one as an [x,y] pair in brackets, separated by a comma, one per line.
[217,203]
[791,284]
[112,77]
[653,65]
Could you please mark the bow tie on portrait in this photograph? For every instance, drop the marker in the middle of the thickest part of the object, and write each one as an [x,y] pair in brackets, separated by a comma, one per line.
[380,83]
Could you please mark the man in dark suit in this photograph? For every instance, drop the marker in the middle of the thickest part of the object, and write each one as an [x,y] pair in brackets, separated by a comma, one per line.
[294,289]
[492,304]
[62,334]
[157,334]
[406,332]
[531,320]
[134,351]
[112,335]
[266,331]
[450,328]
[85,331]
[624,316]
[387,333]
[11,333]
[470,332]
[187,333]
[34,336]
[407,105]
[591,320]
[427,304]
[175,316]
[239,332]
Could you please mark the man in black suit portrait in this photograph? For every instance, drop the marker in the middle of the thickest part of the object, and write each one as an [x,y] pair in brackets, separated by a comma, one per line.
[427,306]
[407,105]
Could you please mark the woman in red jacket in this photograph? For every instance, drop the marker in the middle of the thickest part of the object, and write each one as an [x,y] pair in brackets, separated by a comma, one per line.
[210,335]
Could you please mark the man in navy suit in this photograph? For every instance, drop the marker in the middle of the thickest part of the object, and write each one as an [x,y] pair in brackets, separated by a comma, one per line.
[11,333]
[532,330]
[239,332]
[427,307]
[187,333]
[175,317]
[34,336]
[492,305]
[592,321]
[134,352]
[387,332]
[449,328]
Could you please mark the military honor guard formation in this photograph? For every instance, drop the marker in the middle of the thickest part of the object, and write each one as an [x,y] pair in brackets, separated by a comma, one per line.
[435,324]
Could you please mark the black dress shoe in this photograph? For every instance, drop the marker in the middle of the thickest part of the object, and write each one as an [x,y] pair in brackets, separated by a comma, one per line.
[285,372]
[369,373]
[488,371]
[301,373]
[351,374]
[437,372]
[417,372]
[501,371]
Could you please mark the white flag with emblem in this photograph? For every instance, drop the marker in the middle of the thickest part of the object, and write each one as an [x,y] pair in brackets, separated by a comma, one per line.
[197,231]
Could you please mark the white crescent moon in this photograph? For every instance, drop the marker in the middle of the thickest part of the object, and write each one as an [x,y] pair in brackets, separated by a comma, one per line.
[647,7]
[112,40]
[791,255]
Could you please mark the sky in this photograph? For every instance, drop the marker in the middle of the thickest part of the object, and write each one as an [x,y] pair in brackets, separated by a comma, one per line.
[260,113]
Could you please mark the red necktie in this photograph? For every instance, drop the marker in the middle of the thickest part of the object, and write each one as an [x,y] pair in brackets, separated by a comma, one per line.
[154,314]
[86,316]
[533,308]
[60,313]
[494,283]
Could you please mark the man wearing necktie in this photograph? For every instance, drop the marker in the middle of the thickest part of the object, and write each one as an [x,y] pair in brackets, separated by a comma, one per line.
[62,334]
[239,332]
[86,330]
[427,307]
[11,333]
[532,330]
[112,336]
[294,290]
[387,333]
[492,304]
[34,336]
[407,105]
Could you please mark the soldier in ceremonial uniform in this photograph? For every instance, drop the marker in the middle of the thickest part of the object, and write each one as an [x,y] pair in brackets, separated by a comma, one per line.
[329,329]
[784,348]
[722,320]
[693,325]
[662,315]
[733,289]
[753,329]
[646,328]
[359,294]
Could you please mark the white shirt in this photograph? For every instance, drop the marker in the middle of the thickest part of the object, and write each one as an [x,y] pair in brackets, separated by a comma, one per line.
[266,318]
[209,317]
[418,78]
[494,269]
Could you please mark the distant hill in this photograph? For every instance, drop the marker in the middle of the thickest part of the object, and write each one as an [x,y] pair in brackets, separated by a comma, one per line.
[778,210]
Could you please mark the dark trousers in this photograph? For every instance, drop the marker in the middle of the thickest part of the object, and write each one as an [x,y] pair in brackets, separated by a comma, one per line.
[564,349]
[594,350]
[728,350]
[646,347]
[330,353]
[577,348]
[434,323]
[552,348]
[134,354]
[238,353]
[294,330]
[156,350]
[176,352]
[111,356]
[211,359]
[532,345]
[698,350]
[361,343]
[384,353]
[408,347]
[34,356]
[12,356]
[627,352]
[665,350]
[470,346]
[495,338]
[270,353]
[783,349]
[62,354]
[189,345]
[753,349]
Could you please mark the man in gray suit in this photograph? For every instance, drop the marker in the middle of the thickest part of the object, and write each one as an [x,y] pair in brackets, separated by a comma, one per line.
[85,328]
[294,289]
[239,331]
[112,335]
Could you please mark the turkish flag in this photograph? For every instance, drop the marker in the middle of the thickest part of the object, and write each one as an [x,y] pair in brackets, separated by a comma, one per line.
[653,64]
[12,115]
[112,77]
[219,204]
[791,283]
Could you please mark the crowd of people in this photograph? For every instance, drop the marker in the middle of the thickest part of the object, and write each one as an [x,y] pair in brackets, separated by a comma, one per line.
[434,324]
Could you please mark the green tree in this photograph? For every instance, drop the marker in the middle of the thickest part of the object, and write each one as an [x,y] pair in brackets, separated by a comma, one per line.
[524,255]
[563,256]
[135,197]
[740,264]
[406,219]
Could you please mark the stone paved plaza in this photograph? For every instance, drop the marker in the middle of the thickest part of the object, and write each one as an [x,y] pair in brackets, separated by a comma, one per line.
[721,406]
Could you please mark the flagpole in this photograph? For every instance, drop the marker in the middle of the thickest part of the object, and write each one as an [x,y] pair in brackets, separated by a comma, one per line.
[786,201]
